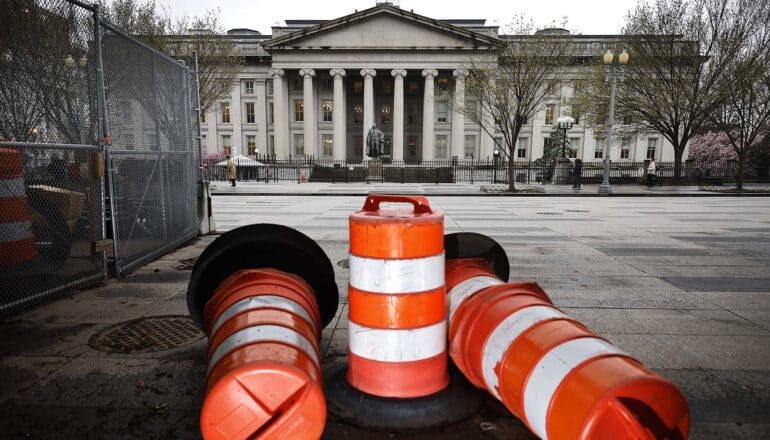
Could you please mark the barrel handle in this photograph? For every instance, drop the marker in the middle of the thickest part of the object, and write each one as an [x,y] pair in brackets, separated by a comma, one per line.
[420,204]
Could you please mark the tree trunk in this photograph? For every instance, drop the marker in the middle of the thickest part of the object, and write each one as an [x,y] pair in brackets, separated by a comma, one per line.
[741,171]
[511,177]
[678,153]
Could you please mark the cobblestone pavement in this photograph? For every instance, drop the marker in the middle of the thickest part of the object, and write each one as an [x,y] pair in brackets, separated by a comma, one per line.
[681,283]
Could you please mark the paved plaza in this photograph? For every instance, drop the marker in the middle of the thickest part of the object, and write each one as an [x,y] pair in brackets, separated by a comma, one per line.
[681,283]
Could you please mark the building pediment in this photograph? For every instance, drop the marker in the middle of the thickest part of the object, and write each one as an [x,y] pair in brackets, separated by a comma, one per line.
[382,27]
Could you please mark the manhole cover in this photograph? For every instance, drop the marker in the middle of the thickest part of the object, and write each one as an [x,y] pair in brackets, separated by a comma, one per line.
[144,335]
[344,263]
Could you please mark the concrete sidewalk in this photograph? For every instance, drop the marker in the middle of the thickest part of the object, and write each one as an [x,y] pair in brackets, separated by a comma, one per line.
[452,189]
[681,283]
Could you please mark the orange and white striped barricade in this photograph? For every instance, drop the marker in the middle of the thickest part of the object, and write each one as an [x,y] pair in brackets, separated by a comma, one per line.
[397,310]
[17,241]
[397,320]
[562,380]
[264,326]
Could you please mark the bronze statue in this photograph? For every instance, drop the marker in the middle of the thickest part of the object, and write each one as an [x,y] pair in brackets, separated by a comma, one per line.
[375,142]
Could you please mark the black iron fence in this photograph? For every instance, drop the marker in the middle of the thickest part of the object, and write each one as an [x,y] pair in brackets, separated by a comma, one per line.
[261,168]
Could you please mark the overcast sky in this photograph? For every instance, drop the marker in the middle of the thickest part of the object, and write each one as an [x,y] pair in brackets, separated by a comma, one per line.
[584,17]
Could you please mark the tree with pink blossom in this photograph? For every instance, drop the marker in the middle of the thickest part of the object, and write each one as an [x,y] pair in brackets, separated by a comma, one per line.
[711,147]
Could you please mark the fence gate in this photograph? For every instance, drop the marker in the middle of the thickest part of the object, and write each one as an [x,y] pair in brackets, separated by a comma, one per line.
[152,159]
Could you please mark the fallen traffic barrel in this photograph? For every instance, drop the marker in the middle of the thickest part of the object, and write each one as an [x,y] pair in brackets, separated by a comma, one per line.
[561,379]
[397,376]
[17,242]
[262,294]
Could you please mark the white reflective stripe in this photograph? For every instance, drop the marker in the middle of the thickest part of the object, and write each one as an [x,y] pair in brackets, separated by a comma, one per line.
[15,231]
[457,295]
[397,276]
[551,370]
[397,345]
[255,302]
[505,333]
[12,187]
[250,335]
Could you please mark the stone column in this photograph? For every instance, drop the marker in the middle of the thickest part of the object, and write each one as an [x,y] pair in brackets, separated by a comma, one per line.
[398,113]
[261,116]
[280,114]
[368,75]
[428,117]
[338,114]
[308,117]
[487,142]
[458,117]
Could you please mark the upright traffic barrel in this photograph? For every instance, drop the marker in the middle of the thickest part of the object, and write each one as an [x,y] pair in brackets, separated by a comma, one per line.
[397,308]
[561,379]
[262,294]
[17,242]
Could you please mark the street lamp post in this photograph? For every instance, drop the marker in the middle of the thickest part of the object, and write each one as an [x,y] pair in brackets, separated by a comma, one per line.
[612,74]
[496,154]
[76,76]
[565,124]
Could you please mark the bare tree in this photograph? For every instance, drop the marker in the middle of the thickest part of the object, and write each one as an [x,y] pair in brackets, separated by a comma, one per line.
[46,82]
[673,81]
[219,60]
[513,90]
[744,48]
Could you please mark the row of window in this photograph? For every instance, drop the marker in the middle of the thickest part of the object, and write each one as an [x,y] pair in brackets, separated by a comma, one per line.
[440,151]
[327,107]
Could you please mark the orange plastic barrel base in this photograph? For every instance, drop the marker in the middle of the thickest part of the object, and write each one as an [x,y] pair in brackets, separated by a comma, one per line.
[266,401]
[398,379]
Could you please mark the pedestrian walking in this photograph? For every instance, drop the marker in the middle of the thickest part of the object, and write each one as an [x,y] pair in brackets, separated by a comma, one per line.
[577,173]
[651,173]
[231,170]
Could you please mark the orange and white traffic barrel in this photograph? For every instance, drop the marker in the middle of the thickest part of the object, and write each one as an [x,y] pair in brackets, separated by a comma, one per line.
[397,309]
[263,378]
[17,242]
[561,379]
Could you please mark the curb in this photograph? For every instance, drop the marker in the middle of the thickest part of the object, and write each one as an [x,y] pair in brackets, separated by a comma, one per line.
[480,194]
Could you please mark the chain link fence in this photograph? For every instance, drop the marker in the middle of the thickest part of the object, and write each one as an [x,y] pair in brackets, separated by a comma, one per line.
[70,82]
[152,160]
[50,183]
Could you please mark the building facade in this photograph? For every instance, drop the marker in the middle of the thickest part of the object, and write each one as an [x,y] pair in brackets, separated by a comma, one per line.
[315,88]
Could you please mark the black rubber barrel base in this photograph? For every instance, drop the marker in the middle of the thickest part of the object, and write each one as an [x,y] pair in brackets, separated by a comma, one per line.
[458,401]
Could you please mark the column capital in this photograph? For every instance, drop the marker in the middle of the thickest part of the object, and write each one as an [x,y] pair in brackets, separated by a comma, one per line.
[460,73]
[307,73]
[277,72]
[368,72]
[430,73]
[398,72]
[337,72]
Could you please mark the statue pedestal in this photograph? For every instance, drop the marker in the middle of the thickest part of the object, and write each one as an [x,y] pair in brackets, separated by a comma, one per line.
[375,170]
[561,171]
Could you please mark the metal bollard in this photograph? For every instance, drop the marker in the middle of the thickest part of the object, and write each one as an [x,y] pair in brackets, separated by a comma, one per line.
[262,294]
[562,380]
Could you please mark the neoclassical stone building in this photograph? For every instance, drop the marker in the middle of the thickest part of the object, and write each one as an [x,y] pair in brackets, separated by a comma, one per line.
[315,87]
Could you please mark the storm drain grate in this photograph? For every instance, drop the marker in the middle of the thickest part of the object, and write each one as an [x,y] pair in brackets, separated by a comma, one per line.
[144,335]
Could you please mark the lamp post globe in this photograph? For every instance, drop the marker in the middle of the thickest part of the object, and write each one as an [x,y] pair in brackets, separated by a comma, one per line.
[565,124]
